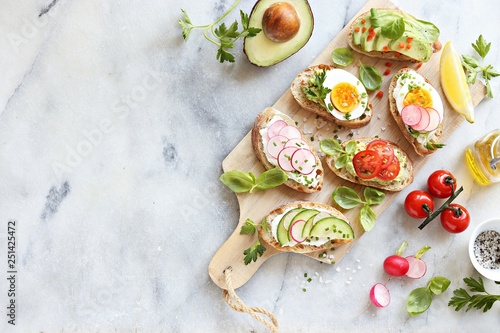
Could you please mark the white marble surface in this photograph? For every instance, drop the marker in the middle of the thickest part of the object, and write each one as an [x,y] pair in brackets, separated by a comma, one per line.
[112,134]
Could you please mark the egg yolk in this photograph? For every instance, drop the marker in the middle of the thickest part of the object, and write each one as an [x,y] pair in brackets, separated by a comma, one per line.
[344,97]
[418,96]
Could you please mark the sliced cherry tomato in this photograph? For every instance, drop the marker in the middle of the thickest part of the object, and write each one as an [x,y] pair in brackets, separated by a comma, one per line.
[418,204]
[441,184]
[455,218]
[390,172]
[367,164]
[384,149]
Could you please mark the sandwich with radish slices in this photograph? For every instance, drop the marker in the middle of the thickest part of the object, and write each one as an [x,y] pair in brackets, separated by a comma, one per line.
[418,110]
[305,227]
[278,142]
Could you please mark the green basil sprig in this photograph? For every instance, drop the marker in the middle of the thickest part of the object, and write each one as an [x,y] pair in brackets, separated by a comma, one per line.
[342,56]
[240,181]
[370,77]
[394,29]
[347,198]
[333,148]
[420,299]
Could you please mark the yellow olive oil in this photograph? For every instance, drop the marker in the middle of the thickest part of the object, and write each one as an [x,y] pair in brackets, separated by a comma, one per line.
[480,154]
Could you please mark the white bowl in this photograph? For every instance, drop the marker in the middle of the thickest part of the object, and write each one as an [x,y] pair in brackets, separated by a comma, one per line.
[491,274]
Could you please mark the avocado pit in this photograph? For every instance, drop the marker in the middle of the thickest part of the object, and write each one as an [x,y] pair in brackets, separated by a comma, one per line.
[280,22]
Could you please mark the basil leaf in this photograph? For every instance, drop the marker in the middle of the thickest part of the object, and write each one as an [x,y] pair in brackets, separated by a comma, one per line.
[346,197]
[418,301]
[271,178]
[342,56]
[373,196]
[350,147]
[438,284]
[370,77]
[341,161]
[367,217]
[238,181]
[374,18]
[394,29]
[330,147]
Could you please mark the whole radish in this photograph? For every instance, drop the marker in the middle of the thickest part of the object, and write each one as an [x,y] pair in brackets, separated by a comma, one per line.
[396,265]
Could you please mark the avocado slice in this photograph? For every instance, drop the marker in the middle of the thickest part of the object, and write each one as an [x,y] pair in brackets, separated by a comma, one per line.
[332,228]
[261,50]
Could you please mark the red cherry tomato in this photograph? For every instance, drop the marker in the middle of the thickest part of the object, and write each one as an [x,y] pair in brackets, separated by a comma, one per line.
[441,184]
[417,203]
[455,219]
[367,164]
[396,265]
[384,149]
[390,172]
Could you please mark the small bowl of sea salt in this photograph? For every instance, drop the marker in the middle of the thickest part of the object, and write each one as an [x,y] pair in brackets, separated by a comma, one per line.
[484,249]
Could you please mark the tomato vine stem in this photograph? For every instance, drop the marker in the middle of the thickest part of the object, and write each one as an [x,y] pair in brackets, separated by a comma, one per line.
[444,206]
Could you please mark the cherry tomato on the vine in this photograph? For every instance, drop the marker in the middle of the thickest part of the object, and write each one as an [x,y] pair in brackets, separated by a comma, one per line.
[441,184]
[455,218]
[418,204]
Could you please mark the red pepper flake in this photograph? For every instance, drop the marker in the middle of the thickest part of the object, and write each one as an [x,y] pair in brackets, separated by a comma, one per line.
[388,64]
[363,29]
[380,94]
[370,37]
[363,21]
[408,46]
[401,45]
[357,29]
[397,54]
[387,71]
[409,39]
[385,48]
[419,65]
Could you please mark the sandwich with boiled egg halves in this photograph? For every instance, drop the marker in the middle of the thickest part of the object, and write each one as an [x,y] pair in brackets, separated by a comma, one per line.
[334,94]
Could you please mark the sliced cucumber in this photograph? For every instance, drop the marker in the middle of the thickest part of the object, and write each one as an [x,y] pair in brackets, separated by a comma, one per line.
[305,215]
[309,224]
[282,232]
[332,228]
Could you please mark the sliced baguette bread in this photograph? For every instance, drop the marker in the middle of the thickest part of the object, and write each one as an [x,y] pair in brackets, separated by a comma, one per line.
[388,54]
[404,178]
[297,89]
[422,148]
[266,233]
[309,182]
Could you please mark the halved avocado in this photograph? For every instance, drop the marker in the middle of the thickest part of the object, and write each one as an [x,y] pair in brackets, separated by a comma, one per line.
[262,50]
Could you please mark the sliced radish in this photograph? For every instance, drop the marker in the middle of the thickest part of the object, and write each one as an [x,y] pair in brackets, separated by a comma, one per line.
[435,120]
[275,128]
[303,161]
[285,158]
[291,132]
[411,114]
[380,296]
[296,231]
[418,268]
[275,145]
[297,143]
[424,121]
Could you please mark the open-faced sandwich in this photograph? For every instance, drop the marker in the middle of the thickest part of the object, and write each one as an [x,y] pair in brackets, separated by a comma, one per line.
[305,227]
[418,110]
[393,34]
[278,142]
[369,161]
[333,94]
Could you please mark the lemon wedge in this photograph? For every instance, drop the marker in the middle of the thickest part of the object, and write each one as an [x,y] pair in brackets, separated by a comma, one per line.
[454,83]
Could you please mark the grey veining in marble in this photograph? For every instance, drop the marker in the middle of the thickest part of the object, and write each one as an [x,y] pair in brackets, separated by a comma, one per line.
[112,134]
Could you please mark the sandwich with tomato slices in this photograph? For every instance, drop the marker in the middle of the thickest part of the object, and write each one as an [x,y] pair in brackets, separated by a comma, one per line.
[369,161]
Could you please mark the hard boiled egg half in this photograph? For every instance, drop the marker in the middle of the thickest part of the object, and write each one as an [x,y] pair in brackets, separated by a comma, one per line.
[347,99]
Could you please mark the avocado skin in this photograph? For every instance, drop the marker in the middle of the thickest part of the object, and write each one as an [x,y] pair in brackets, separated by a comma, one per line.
[263,52]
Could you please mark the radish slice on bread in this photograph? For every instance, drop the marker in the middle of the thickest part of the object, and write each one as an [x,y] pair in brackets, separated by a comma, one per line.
[275,128]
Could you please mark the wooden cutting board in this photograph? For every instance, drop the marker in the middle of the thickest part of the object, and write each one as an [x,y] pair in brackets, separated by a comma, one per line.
[258,204]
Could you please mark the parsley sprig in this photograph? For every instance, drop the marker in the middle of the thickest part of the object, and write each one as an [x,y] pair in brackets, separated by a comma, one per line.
[462,298]
[222,36]
[314,89]
[474,66]
[257,249]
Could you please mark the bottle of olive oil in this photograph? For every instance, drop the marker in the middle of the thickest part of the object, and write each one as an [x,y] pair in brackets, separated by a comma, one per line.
[483,158]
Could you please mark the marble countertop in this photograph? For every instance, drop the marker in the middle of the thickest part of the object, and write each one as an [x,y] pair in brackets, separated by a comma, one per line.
[112,135]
